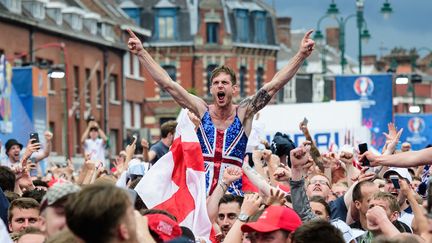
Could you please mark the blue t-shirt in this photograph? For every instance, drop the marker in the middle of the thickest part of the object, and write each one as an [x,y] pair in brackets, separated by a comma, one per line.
[160,149]
[4,205]
[338,209]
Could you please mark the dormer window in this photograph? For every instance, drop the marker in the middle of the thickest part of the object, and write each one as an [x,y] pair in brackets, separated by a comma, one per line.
[132,10]
[73,16]
[166,21]
[36,8]
[13,6]
[53,10]
[107,30]
[90,22]
[260,29]
[242,25]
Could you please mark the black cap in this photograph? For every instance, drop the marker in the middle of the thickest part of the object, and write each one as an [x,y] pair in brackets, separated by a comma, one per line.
[282,145]
[10,143]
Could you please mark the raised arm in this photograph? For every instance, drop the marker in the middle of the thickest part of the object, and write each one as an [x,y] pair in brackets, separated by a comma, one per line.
[48,146]
[406,159]
[180,95]
[263,96]
[85,135]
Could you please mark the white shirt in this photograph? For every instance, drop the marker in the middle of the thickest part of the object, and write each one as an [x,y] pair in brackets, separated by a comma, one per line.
[256,135]
[96,149]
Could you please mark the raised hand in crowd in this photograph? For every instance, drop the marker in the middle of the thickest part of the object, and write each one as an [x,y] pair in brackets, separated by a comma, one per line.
[134,44]
[377,220]
[282,173]
[420,222]
[230,174]
[259,162]
[277,197]
[301,161]
[392,139]
[48,136]
[307,45]
[30,149]
[347,159]
[130,151]
[195,120]
[252,203]
[316,155]
[146,146]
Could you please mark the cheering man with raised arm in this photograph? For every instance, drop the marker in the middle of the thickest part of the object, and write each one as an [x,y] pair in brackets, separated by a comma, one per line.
[225,127]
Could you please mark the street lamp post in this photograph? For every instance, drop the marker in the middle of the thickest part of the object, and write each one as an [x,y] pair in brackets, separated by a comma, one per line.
[67,148]
[363,32]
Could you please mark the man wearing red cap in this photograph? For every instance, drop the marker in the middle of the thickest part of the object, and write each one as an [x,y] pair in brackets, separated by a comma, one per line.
[274,225]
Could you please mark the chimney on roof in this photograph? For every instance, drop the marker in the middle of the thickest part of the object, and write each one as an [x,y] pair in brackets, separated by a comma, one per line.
[284,30]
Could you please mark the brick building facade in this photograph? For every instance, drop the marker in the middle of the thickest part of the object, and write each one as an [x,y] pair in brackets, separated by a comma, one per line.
[190,38]
[86,39]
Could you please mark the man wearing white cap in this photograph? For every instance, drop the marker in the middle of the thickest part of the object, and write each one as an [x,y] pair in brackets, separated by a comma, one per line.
[406,215]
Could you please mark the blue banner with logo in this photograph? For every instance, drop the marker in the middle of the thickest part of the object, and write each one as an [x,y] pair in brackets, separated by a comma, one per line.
[21,112]
[417,129]
[375,94]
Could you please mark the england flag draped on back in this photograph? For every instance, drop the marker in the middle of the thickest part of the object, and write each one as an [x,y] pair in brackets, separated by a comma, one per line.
[176,183]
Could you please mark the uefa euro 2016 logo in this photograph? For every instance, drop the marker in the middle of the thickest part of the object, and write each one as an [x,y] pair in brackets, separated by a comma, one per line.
[363,86]
[416,125]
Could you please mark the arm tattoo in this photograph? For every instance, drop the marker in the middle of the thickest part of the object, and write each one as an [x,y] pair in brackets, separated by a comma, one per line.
[257,102]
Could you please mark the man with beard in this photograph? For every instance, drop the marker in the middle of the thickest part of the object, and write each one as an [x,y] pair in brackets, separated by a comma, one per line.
[225,127]
[229,210]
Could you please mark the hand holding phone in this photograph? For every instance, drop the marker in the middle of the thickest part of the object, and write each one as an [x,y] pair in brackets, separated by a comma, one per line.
[395,180]
[363,148]
[35,137]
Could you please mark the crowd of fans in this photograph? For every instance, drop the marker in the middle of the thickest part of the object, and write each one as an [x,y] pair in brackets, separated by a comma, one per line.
[282,192]
[300,195]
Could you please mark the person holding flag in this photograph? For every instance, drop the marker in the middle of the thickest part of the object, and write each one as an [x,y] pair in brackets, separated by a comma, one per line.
[225,127]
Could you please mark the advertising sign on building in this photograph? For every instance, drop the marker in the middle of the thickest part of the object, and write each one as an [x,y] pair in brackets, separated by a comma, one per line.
[417,129]
[375,95]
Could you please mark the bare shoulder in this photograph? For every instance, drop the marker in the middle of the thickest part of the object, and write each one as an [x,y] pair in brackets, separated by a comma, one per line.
[252,104]
[200,107]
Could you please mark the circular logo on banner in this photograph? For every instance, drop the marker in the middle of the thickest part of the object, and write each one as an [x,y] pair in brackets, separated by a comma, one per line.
[416,125]
[363,86]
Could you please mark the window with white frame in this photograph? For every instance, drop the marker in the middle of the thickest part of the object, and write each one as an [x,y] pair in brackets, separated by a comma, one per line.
[87,93]
[137,115]
[55,14]
[136,66]
[113,136]
[12,5]
[242,81]
[114,88]
[98,88]
[128,114]
[91,25]
[172,72]
[107,31]
[38,10]
[165,24]
[289,92]
[76,22]
[127,63]
[166,27]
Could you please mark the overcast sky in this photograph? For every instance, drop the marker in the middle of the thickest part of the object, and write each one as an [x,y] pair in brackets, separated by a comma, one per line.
[409,26]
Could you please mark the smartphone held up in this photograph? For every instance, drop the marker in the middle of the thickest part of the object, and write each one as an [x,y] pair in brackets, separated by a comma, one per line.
[362,149]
